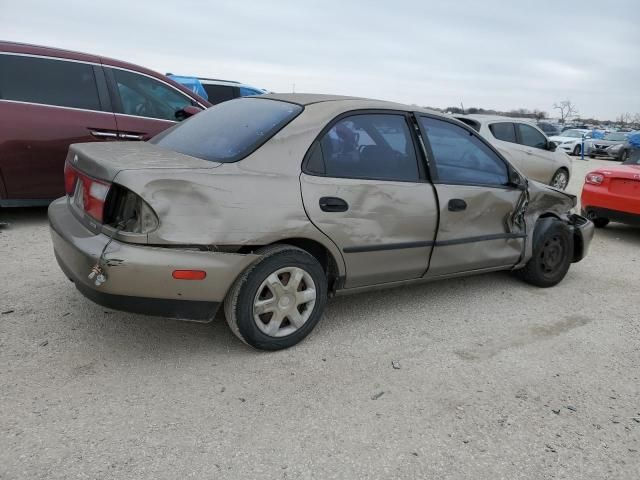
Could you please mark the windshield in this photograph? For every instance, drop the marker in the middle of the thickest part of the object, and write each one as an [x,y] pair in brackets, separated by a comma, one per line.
[572,133]
[230,130]
[617,137]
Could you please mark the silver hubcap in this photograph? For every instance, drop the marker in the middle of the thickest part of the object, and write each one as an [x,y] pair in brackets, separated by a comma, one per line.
[560,180]
[284,302]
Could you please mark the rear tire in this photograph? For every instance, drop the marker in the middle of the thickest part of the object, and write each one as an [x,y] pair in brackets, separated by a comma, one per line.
[552,254]
[265,310]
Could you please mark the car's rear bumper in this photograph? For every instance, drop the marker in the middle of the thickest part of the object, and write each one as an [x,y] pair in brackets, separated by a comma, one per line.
[139,278]
[600,197]
[613,215]
[583,231]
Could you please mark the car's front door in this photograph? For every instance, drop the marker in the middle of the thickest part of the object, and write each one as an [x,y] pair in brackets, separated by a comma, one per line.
[364,188]
[478,207]
[144,106]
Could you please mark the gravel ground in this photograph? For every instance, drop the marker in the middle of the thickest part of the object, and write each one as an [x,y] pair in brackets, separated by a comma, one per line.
[496,379]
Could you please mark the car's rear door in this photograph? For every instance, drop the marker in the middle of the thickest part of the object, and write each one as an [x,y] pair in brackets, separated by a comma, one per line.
[363,186]
[45,105]
[478,207]
[144,105]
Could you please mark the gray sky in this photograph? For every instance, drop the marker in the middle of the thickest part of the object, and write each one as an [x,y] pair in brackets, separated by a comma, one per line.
[492,54]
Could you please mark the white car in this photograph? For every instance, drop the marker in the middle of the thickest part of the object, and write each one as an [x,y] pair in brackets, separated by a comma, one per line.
[525,146]
[571,140]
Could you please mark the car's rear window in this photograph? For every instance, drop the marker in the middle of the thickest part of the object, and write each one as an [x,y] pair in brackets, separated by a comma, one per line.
[229,131]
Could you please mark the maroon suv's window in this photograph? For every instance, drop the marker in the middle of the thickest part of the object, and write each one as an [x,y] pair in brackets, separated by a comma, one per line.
[47,81]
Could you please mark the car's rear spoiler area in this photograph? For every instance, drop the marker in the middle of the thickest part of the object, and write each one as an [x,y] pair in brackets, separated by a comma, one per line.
[104,160]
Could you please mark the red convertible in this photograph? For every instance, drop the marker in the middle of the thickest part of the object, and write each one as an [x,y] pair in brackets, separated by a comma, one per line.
[613,194]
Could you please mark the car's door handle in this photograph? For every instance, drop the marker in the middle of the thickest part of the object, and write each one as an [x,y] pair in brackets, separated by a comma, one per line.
[130,136]
[103,134]
[333,204]
[457,205]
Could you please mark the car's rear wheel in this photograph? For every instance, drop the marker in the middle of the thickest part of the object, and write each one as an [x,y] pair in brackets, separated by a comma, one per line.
[278,300]
[560,179]
[552,254]
[576,150]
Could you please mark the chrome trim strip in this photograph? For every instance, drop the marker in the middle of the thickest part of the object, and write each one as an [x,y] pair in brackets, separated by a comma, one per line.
[387,246]
[56,106]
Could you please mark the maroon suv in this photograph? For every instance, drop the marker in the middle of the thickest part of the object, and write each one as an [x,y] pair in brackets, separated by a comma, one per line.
[50,98]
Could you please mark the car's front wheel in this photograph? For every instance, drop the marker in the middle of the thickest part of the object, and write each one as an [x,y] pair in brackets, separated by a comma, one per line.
[576,150]
[560,179]
[278,300]
[624,156]
[552,254]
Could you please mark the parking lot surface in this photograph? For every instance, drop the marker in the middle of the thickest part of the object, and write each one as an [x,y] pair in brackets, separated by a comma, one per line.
[480,377]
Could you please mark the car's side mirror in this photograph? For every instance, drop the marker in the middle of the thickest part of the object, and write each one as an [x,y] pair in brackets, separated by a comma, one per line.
[551,146]
[516,180]
[187,112]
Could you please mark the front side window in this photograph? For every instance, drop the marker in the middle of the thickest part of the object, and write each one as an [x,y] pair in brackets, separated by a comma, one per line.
[368,146]
[504,131]
[144,96]
[531,137]
[461,157]
[229,131]
[47,81]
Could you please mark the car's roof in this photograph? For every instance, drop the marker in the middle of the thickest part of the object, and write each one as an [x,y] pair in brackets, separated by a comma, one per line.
[494,118]
[305,99]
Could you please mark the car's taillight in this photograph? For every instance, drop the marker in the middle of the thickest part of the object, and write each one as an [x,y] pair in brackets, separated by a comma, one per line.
[70,175]
[88,193]
[594,178]
[94,194]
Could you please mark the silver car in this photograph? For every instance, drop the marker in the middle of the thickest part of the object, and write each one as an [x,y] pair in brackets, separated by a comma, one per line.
[269,205]
[526,147]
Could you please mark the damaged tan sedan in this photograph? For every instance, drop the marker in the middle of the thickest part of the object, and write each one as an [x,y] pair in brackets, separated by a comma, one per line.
[271,204]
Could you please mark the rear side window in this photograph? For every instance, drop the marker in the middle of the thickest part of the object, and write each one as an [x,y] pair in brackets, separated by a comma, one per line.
[369,146]
[219,93]
[47,81]
[230,131]
[504,131]
[531,137]
[144,96]
[461,157]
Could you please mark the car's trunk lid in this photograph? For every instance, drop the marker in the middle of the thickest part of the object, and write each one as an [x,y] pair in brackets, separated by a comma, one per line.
[623,179]
[104,160]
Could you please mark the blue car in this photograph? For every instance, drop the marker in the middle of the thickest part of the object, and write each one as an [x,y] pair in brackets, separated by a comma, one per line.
[215,90]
